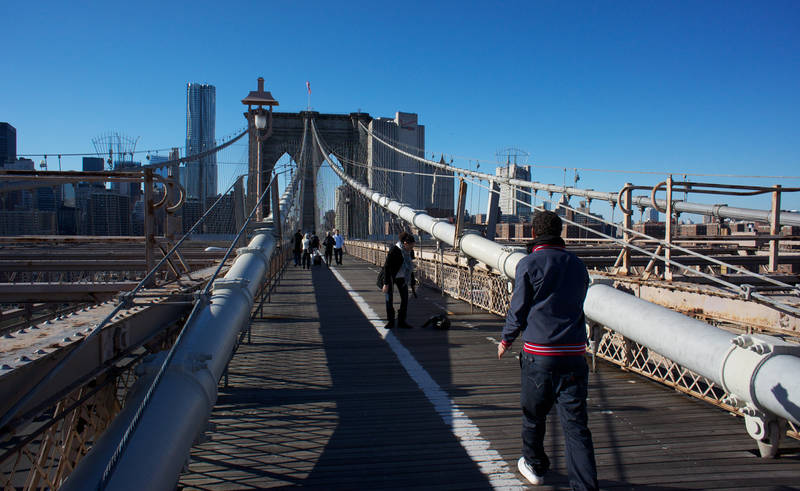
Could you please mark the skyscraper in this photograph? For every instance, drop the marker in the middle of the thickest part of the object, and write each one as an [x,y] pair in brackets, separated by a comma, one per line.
[201,115]
[423,192]
[8,144]
[514,201]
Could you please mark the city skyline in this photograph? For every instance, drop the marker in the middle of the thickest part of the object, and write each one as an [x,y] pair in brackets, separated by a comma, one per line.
[614,91]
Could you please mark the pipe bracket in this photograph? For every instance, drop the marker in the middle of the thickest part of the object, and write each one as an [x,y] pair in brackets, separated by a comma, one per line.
[238,285]
[252,250]
[741,364]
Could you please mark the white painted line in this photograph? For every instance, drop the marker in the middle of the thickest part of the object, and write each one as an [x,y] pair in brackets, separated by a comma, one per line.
[488,460]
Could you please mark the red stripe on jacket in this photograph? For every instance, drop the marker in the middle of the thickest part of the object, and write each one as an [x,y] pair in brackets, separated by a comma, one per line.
[555,349]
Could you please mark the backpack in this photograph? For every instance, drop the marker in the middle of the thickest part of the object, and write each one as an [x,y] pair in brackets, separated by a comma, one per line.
[381,278]
[438,322]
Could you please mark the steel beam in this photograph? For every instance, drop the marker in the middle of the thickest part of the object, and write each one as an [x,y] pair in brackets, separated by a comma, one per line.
[182,402]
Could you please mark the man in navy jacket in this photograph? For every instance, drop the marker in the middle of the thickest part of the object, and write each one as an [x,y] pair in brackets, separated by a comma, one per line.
[547,311]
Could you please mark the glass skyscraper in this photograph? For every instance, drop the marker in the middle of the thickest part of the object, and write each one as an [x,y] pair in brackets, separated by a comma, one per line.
[201,115]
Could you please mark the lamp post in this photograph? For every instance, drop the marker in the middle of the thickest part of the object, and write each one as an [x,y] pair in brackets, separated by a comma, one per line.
[259,120]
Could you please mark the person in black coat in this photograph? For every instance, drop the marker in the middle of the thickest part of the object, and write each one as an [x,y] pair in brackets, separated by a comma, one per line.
[399,270]
[297,249]
[328,242]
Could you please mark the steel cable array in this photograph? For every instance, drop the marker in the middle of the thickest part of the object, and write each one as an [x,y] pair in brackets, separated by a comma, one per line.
[612,197]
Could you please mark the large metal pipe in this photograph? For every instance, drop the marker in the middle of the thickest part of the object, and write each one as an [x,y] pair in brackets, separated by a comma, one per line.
[181,405]
[701,348]
[720,211]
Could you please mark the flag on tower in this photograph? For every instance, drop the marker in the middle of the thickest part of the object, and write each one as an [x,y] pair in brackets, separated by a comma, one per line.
[308,87]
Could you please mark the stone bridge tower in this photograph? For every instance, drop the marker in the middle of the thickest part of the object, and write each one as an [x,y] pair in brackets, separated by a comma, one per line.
[341,134]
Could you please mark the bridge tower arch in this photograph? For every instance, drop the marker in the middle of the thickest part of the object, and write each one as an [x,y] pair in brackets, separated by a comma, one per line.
[341,135]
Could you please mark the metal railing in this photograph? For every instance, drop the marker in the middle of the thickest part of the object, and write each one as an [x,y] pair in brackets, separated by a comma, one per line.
[490,291]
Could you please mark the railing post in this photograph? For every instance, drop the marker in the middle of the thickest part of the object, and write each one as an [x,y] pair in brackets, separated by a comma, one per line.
[462,203]
[492,210]
[149,220]
[276,211]
[668,233]
[628,224]
[775,228]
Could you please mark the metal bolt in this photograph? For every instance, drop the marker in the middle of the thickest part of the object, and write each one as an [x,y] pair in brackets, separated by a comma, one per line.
[39,352]
[23,359]
[21,331]
[67,340]
[8,336]
[5,367]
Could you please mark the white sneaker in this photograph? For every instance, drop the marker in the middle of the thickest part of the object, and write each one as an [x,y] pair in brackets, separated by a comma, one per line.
[526,470]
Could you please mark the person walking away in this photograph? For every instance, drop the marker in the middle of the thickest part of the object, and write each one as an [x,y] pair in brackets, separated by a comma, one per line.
[328,243]
[398,270]
[546,309]
[306,252]
[297,249]
[337,246]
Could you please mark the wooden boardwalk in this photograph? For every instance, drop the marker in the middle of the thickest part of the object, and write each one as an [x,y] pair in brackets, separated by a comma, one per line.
[320,399]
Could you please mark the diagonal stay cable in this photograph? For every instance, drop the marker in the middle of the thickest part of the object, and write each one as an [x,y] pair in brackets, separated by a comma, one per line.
[202,301]
[687,269]
[568,191]
[124,302]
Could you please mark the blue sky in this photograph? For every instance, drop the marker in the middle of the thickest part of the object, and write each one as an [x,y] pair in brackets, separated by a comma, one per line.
[700,87]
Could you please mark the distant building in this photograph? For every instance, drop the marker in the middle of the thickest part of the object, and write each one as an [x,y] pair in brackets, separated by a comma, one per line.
[434,194]
[27,222]
[515,202]
[201,175]
[191,211]
[442,193]
[8,144]
[651,215]
[109,213]
[133,190]
[93,164]
[22,199]
[222,219]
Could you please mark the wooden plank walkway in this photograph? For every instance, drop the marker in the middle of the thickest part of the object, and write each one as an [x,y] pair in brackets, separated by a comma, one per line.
[321,400]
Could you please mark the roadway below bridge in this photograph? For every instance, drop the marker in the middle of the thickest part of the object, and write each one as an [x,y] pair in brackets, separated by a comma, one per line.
[323,397]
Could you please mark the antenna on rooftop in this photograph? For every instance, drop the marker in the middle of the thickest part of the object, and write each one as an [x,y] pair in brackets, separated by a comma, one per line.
[512,155]
[113,142]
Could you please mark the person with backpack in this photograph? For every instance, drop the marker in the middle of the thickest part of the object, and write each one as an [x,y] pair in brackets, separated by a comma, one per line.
[328,243]
[297,247]
[398,269]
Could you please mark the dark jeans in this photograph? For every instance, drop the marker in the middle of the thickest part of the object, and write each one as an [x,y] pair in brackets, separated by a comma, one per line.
[563,381]
[306,259]
[338,254]
[297,257]
[328,256]
[402,287]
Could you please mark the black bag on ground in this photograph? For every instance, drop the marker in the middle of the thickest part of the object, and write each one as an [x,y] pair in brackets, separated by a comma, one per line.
[438,322]
[381,277]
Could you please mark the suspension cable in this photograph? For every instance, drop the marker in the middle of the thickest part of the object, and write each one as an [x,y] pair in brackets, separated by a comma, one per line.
[787,218]
[519,183]
[739,290]
[594,169]
[687,269]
